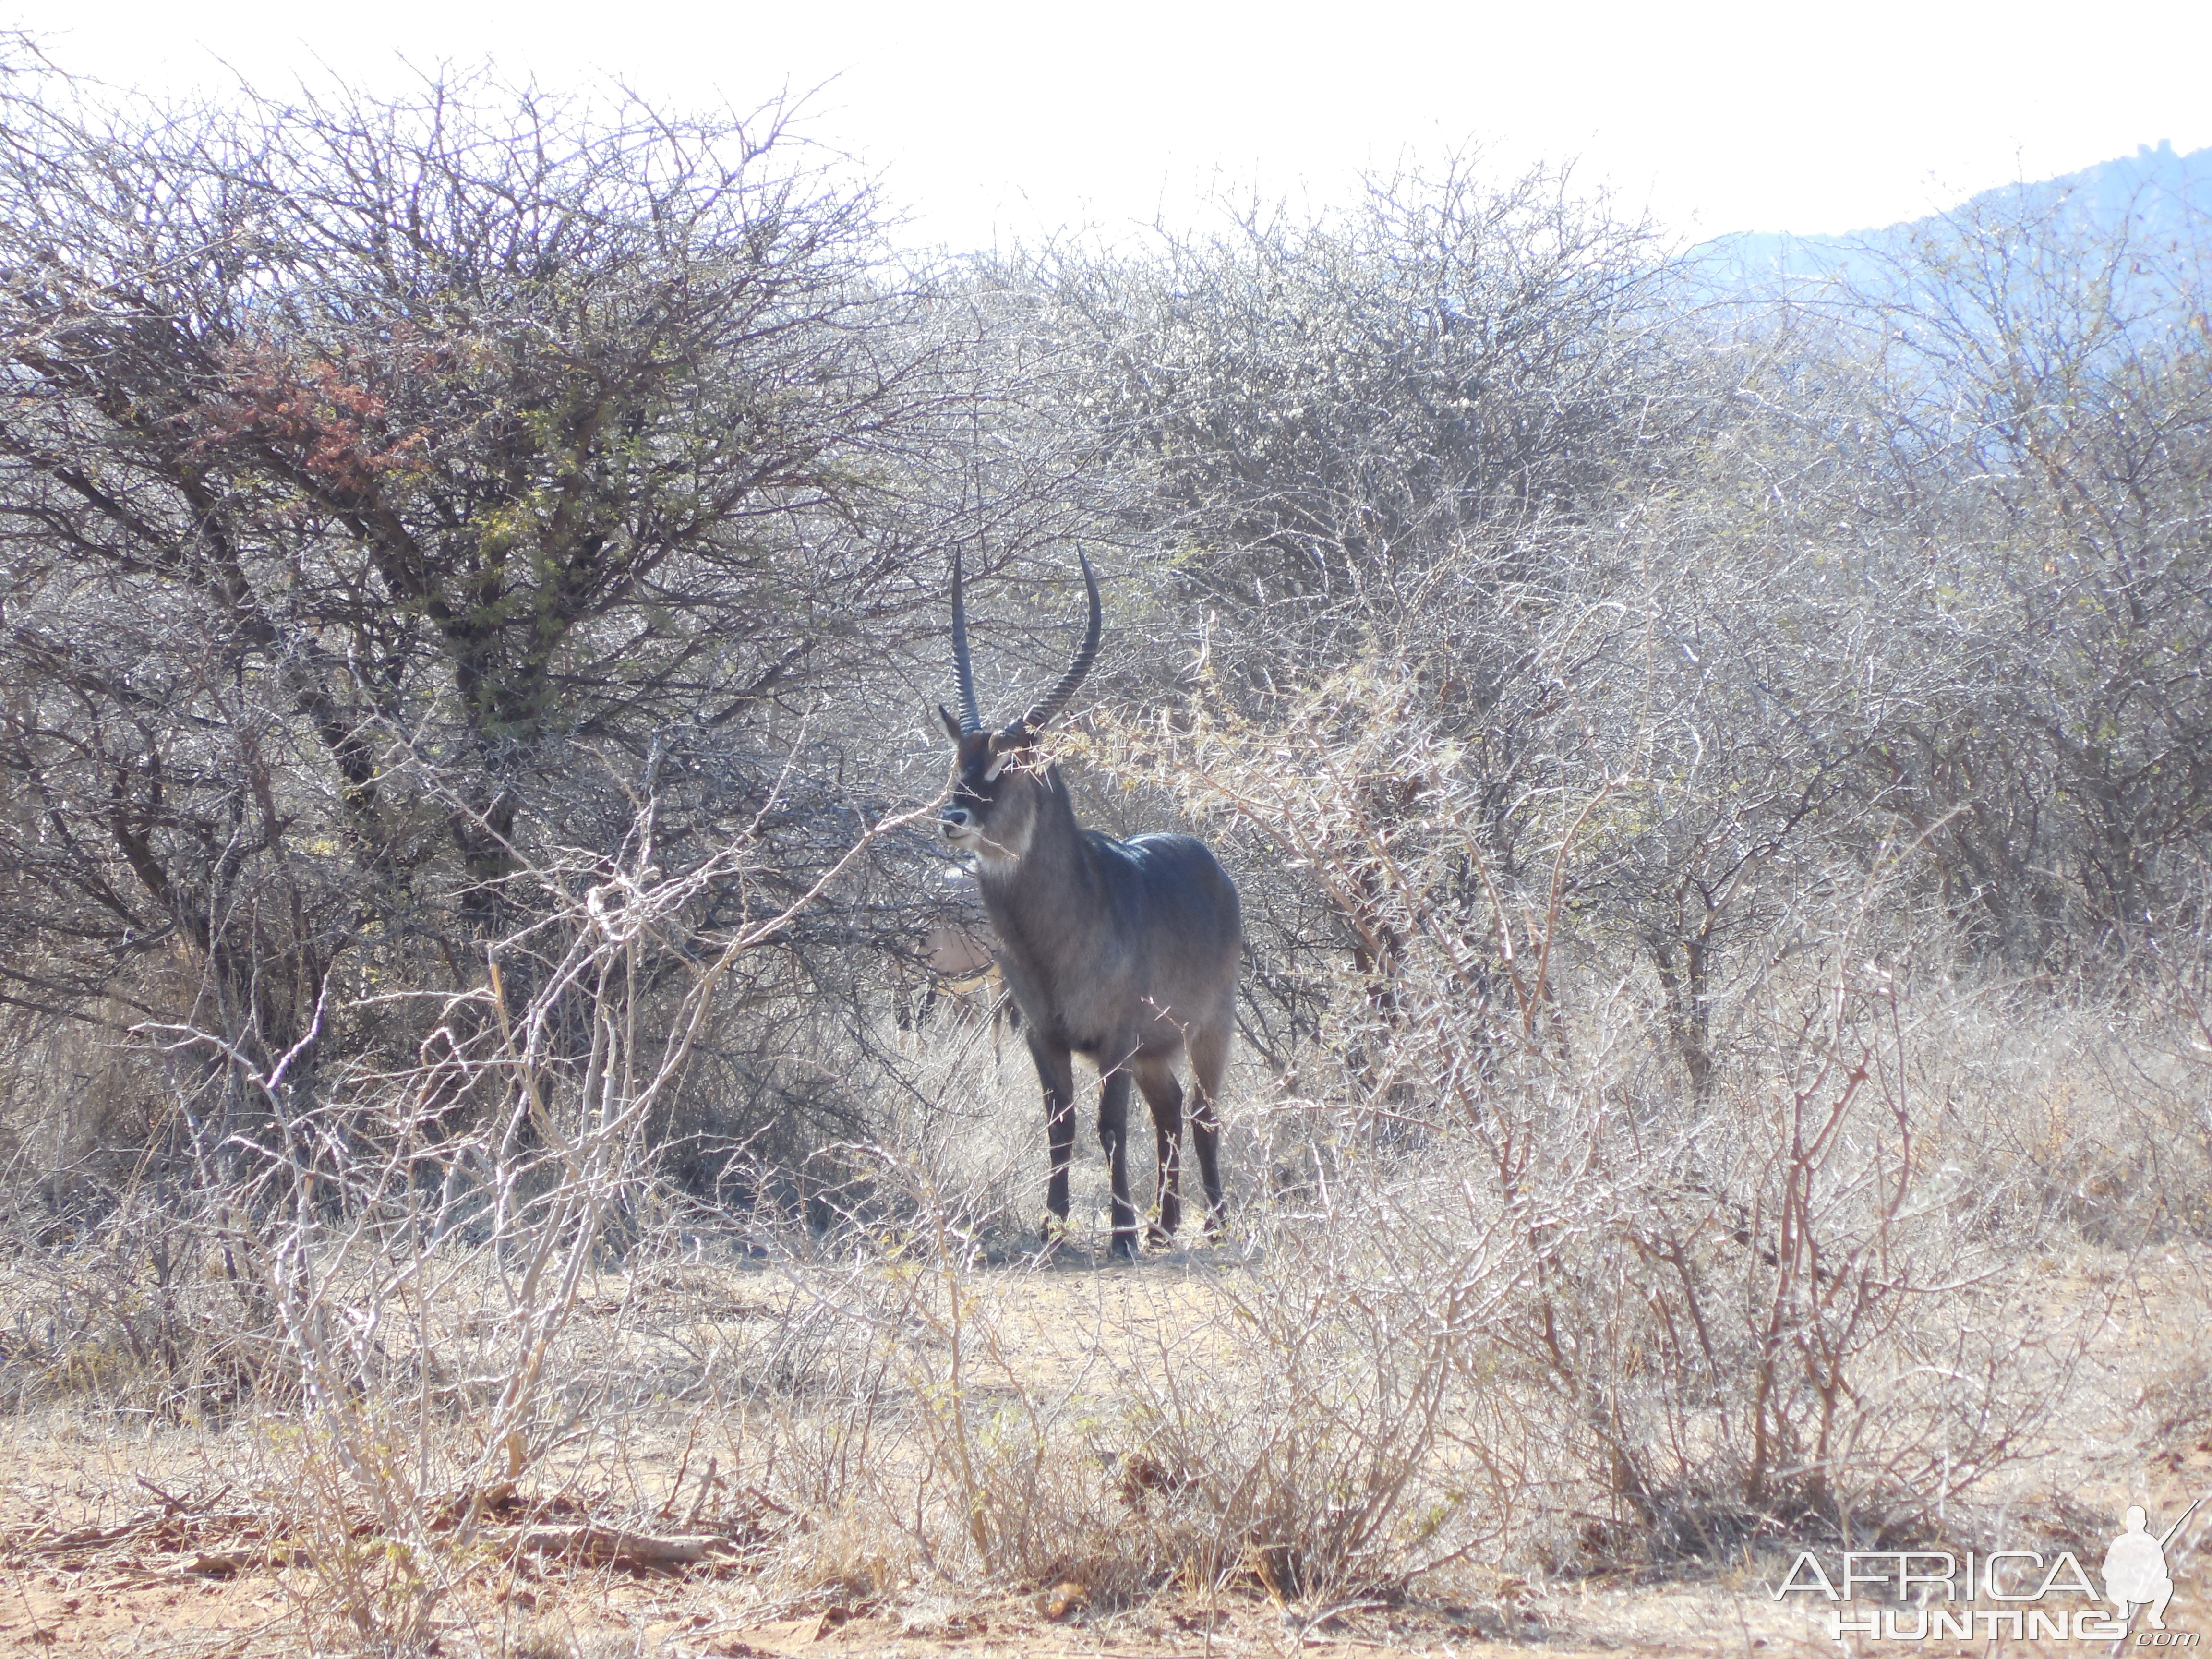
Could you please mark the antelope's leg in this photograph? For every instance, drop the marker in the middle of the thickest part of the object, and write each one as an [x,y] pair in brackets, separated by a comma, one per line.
[1156,1078]
[1056,1071]
[1209,1058]
[1114,1136]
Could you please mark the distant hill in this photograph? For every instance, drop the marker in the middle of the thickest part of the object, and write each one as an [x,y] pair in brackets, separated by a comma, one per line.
[2158,188]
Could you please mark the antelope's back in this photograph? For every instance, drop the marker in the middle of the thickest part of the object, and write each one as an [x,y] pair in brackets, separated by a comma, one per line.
[1185,914]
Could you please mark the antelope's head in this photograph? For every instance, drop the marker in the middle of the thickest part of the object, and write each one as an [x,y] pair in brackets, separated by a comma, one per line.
[998,777]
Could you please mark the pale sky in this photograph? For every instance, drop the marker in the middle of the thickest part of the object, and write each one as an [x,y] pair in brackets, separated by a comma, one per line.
[989,121]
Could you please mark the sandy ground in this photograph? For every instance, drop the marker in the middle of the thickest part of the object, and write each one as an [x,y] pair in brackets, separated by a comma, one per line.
[153,1601]
[115,1537]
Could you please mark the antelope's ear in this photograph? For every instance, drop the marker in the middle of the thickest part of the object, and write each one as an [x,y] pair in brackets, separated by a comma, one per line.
[951,726]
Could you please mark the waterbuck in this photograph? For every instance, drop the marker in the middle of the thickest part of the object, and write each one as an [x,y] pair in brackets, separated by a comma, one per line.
[1124,951]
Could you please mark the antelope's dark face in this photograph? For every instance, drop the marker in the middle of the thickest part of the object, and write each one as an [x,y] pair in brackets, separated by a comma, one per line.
[993,811]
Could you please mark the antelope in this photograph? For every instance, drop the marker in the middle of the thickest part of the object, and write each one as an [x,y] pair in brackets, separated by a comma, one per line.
[960,963]
[960,966]
[1124,951]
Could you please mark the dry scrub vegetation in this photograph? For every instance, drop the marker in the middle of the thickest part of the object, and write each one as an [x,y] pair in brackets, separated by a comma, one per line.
[1718,784]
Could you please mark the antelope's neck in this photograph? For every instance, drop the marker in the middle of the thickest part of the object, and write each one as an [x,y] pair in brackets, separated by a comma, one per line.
[1051,896]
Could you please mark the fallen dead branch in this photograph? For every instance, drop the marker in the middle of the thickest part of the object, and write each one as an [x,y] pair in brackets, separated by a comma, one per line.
[612,1546]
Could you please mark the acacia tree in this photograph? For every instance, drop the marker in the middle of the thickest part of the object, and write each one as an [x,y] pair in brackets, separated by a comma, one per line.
[1324,420]
[388,490]
[2050,406]
[1407,435]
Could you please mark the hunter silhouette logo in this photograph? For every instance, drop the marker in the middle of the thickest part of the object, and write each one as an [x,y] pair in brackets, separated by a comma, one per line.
[1922,1595]
[2135,1566]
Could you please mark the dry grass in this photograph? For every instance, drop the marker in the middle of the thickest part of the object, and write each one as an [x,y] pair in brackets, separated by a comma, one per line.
[895,1433]
[1509,1321]
[1127,1372]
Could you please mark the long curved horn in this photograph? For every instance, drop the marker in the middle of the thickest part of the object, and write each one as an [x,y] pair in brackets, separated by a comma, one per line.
[971,719]
[1042,712]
